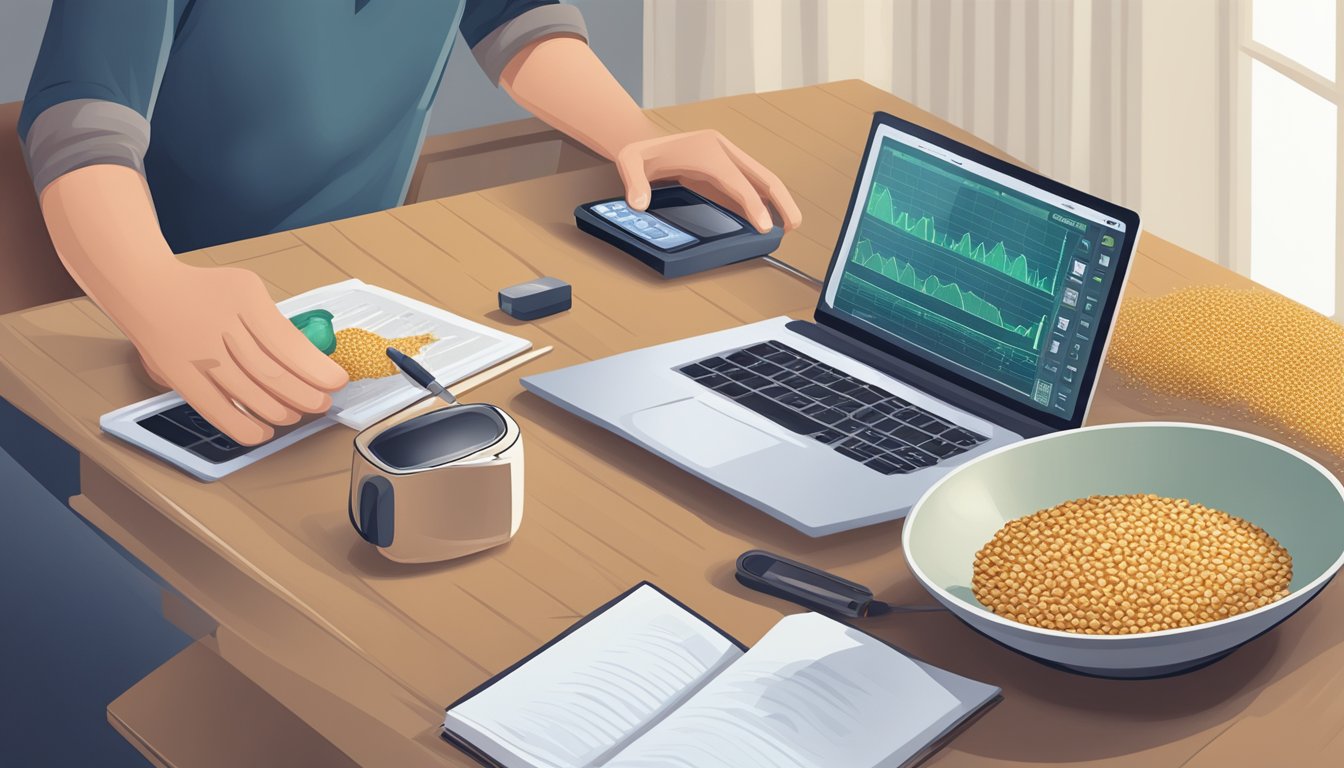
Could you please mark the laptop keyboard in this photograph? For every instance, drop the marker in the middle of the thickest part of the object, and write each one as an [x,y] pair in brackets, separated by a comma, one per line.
[858,420]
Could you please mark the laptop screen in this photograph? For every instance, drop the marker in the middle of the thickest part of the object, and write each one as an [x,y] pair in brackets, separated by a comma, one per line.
[1001,281]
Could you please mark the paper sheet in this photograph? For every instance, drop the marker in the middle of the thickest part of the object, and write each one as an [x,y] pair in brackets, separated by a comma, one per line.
[462,349]
[812,693]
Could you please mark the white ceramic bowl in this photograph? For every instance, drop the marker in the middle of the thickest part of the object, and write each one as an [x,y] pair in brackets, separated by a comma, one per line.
[1284,492]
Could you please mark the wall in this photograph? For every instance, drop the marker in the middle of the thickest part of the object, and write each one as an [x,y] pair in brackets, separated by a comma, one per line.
[21,25]
[1116,97]
[465,100]
[1052,82]
[1182,155]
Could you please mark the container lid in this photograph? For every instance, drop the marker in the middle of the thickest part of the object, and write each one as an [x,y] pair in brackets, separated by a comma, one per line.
[439,437]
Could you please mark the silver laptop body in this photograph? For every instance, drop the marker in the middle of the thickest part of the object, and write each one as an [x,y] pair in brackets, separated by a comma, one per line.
[967,307]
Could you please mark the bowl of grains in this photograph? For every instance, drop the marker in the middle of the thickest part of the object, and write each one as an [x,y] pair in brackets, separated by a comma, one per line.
[1129,550]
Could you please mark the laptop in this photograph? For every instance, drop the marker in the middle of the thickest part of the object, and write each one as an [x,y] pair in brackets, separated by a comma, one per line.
[967,307]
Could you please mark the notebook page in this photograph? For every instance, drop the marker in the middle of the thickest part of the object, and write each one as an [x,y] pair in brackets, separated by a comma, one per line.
[589,692]
[812,693]
[462,347]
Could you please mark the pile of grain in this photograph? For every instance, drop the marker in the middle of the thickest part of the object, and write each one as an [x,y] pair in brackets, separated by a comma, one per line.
[1115,565]
[1255,351]
[363,354]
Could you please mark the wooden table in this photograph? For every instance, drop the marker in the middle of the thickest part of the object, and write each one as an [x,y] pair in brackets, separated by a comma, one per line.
[367,653]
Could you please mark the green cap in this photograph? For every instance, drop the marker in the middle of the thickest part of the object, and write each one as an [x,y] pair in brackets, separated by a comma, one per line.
[316,325]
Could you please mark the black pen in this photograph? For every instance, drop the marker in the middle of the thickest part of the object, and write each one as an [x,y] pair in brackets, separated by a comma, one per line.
[419,375]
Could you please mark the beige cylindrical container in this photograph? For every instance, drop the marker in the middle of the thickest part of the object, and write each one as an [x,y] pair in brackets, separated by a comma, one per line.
[436,482]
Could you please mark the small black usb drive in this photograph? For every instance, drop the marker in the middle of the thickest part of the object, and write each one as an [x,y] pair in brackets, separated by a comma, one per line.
[805,585]
[536,299]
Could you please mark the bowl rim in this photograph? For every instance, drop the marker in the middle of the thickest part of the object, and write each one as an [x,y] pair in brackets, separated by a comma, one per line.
[983,613]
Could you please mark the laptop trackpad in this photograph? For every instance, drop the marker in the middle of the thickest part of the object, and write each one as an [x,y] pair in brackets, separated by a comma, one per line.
[698,433]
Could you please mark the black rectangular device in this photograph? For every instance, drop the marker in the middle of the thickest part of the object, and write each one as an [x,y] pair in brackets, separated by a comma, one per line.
[536,299]
[681,233]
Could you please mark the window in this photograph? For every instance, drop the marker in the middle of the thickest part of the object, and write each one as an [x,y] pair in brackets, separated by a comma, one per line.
[1287,151]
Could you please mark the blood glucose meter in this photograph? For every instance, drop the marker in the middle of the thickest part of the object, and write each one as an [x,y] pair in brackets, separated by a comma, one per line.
[681,233]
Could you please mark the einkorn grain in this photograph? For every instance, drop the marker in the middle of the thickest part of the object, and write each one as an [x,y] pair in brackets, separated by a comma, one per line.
[363,354]
[1116,565]
[1250,350]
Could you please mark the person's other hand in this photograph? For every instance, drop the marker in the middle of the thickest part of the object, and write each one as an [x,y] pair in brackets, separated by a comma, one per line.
[713,166]
[216,337]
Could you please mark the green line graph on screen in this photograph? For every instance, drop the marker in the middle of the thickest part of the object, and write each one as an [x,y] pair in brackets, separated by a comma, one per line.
[957,263]
[948,293]
[995,257]
[974,218]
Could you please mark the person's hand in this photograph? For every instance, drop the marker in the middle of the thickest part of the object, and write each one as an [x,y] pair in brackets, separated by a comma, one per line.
[215,336]
[713,166]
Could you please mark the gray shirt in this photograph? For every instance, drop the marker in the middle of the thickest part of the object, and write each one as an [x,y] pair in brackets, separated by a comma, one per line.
[254,116]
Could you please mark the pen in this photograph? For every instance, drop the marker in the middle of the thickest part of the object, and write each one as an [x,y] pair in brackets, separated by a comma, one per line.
[419,375]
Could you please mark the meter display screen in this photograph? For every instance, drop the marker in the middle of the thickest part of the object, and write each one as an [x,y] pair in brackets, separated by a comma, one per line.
[699,219]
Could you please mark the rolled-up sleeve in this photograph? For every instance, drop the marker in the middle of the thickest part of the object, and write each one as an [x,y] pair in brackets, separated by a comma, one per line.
[497,30]
[93,86]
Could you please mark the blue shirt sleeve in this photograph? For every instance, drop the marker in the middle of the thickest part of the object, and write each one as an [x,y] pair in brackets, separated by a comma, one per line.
[96,49]
[498,30]
[481,17]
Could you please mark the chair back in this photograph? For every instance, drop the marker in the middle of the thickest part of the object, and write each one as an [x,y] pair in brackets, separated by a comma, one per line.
[30,272]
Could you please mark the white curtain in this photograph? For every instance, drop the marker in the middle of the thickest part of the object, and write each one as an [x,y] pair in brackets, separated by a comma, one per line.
[1053,82]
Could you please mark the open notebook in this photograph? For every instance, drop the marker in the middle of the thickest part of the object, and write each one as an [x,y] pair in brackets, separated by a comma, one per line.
[645,682]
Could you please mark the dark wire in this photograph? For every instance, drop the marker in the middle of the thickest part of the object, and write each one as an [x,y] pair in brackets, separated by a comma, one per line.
[792,270]
[878,608]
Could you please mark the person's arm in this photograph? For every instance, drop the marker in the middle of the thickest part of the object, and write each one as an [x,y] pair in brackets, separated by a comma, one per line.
[214,335]
[537,51]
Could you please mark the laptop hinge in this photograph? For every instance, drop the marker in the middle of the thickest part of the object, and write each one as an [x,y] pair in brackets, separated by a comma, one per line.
[925,381]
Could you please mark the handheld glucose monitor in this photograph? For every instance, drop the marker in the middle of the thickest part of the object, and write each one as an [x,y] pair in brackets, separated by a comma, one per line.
[681,233]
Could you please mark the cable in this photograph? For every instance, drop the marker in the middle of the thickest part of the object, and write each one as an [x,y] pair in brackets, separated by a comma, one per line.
[878,608]
[792,270]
